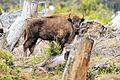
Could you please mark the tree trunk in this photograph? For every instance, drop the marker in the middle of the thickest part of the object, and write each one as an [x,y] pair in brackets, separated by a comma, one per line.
[17,28]
[21,3]
[78,69]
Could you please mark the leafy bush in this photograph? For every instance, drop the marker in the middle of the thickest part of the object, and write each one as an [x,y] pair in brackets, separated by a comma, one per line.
[5,55]
[53,49]
[101,14]
[59,68]
[36,59]
[4,68]
[87,5]
[6,62]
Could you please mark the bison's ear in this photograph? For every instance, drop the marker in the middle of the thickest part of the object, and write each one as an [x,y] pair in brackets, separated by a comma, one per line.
[70,20]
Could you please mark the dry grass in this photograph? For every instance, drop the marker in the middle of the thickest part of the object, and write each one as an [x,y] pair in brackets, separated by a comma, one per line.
[109,77]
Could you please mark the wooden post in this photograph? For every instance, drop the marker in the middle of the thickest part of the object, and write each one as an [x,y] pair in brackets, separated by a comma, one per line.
[78,69]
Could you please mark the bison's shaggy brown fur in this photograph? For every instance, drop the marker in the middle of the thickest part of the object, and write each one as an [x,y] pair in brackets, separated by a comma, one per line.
[58,28]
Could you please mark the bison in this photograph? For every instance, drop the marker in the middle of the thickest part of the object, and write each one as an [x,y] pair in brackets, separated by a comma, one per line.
[52,28]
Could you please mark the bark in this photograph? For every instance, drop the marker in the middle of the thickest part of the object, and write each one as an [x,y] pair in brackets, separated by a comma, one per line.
[77,68]
[17,28]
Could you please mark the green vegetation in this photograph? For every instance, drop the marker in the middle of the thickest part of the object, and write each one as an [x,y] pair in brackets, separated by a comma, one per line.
[36,59]
[7,69]
[59,68]
[10,72]
[110,67]
[14,8]
[5,61]
[92,10]
[53,49]
[5,55]
[10,78]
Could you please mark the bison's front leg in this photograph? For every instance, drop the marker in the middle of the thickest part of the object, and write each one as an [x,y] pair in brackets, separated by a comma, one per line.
[31,49]
[25,46]
[32,44]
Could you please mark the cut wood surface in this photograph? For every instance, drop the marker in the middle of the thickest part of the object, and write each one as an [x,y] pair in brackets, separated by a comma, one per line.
[78,69]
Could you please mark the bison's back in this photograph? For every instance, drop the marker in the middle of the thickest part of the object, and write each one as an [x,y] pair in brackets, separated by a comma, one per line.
[55,26]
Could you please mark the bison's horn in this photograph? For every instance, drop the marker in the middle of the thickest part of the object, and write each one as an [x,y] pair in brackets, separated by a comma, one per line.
[69,15]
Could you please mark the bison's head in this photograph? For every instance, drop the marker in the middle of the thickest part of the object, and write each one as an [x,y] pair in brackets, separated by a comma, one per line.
[76,21]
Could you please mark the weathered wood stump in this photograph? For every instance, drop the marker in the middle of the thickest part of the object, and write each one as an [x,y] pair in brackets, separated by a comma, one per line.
[77,70]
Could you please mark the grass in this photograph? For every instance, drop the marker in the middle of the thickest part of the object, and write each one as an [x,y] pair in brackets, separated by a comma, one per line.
[111,66]
[9,77]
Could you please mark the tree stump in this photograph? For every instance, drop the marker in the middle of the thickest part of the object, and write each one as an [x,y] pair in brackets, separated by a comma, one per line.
[77,70]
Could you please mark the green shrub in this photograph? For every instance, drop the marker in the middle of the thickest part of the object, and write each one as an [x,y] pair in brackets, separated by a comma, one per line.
[36,59]
[100,14]
[59,68]
[53,49]
[4,68]
[10,78]
[5,55]
[59,9]
[6,61]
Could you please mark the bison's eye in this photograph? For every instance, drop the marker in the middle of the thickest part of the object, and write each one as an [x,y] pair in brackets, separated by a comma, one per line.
[82,20]
[70,20]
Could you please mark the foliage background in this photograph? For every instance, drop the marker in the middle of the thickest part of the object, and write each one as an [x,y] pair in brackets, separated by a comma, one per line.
[99,10]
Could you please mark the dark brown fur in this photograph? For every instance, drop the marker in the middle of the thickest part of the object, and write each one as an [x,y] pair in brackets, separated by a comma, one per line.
[50,28]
